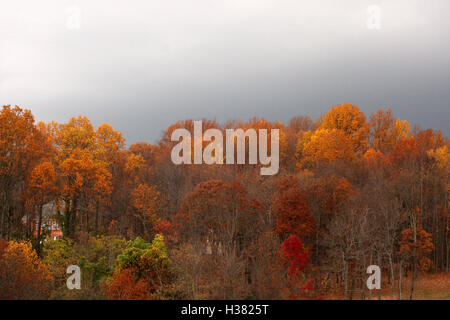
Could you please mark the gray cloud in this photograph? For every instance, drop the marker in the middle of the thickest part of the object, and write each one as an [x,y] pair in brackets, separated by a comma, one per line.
[142,65]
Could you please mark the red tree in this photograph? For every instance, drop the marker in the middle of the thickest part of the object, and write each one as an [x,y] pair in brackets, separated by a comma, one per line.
[293,215]
[293,252]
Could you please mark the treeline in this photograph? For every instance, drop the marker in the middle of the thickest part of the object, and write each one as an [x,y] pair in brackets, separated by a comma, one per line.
[351,192]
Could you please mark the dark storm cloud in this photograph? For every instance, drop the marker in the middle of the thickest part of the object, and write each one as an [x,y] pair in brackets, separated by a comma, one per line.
[142,65]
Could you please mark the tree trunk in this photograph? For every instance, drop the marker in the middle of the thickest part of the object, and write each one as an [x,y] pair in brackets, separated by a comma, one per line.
[317,237]
[447,243]
[38,247]
[96,217]
[87,222]
[400,281]
[414,271]
[363,283]
[379,264]
[73,217]
[8,223]
[2,227]
[392,276]
[345,277]
[352,288]
[4,211]
[370,263]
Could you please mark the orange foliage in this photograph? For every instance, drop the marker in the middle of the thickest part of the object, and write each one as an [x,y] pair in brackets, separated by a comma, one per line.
[422,247]
[327,194]
[327,145]
[124,285]
[22,274]
[43,182]
[145,202]
[351,121]
[374,158]
[292,214]
[165,228]
[346,166]
[218,212]
[386,131]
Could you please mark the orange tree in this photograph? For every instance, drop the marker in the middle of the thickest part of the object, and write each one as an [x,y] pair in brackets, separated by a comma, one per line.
[22,273]
[293,216]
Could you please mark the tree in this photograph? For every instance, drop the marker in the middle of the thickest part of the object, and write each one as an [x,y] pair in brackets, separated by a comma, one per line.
[43,190]
[416,243]
[145,202]
[18,153]
[81,162]
[217,214]
[349,193]
[58,255]
[82,179]
[325,196]
[23,276]
[324,146]
[142,270]
[351,121]
[385,131]
[422,246]
[95,255]
[293,216]
[110,152]
[293,253]
[219,220]
[124,285]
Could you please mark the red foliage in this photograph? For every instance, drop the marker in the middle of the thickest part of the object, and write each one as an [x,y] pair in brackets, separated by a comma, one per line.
[293,251]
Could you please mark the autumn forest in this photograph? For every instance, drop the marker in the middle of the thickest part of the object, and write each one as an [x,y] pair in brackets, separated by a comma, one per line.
[353,190]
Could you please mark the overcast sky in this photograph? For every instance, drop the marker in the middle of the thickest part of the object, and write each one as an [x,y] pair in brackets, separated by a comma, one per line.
[142,65]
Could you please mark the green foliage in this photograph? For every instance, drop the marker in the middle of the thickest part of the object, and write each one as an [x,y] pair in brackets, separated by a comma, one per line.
[138,250]
[94,255]
[58,255]
[149,262]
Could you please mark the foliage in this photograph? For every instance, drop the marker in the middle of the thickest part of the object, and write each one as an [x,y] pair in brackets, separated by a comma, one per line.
[23,275]
[94,255]
[351,190]
[293,252]
[141,270]
[293,216]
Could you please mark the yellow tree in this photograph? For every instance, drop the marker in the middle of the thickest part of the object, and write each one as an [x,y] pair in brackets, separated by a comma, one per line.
[109,143]
[82,179]
[83,173]
[351,121]
[110,150]
[324,146]
[78,133]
